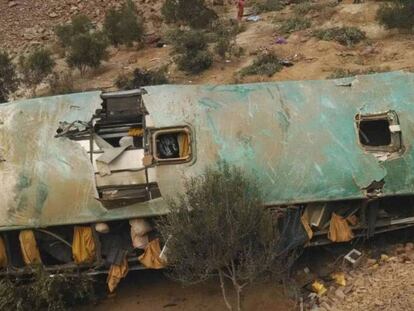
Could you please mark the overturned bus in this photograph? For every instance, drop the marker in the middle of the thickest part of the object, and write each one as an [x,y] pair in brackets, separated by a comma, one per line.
[83,176]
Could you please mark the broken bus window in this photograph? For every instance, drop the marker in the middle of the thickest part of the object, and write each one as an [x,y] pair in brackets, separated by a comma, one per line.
[379,132]
[172,145]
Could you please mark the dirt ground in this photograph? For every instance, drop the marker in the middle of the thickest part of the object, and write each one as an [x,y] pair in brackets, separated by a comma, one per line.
[151,290]
[383,50]
[384,281]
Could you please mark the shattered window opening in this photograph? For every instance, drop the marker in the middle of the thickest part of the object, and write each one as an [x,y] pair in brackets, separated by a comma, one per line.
[374,133]
[379,132]
[172,145]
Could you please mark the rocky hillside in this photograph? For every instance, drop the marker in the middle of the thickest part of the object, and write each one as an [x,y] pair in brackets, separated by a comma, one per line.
[27,23]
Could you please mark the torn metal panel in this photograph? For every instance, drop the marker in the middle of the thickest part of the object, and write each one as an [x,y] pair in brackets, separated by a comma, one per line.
[49,181]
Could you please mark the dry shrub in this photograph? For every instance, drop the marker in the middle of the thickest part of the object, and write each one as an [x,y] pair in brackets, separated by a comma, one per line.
[295,24]
[194,13]
[397,14]
[191,50]
[44,292]
[219,226]
[124,26]
[344,35]
[140,78]
[264,64]
[35,67]
[8,77]
[61,83]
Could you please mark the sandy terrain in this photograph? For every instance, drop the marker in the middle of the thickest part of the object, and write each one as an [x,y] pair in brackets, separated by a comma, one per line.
[150,290]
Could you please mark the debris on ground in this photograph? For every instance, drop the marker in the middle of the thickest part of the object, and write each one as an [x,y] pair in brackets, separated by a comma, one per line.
[383,283]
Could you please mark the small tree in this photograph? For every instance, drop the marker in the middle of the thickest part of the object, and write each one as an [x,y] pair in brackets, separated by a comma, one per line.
[225,32]
[141,77]
[36,67]
[220,227]
[397,14]
[80,24]
[8,77]
[124,26]
[194,13]
[87,50]
[191,51]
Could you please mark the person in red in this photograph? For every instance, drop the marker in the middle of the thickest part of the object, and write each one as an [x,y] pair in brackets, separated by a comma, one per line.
[240,9]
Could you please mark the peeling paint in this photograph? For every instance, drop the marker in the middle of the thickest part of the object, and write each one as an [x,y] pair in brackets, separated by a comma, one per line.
[297,138]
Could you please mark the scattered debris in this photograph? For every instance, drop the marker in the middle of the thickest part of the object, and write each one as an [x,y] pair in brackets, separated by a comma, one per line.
[319,288]
[286,63]
[281,40]
[339,278]
[253,18]
[353,257]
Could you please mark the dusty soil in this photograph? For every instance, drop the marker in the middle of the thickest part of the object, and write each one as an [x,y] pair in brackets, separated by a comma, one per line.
[28,23]
[313,59]
[151,290]
[388,285]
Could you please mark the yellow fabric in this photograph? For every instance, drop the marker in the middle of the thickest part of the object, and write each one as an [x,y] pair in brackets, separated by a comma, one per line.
[3,254]
[306,226]
[339,278]
[83,245]
[184,145]
[151,257]
[135,132]
[339,230]
[319,288]
[116,273]
[28,245]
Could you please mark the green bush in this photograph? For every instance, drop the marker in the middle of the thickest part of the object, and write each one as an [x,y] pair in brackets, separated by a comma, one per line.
[8,77]
[223,46]
[265,64]
[295,24]
[397,14]
[87,50]
[219,226]
[194,13]
[36,67]
[191,50]
[344,35]
[195,62]
[46,293]
[224,34]
[79,24]
[140,78]
[124,26]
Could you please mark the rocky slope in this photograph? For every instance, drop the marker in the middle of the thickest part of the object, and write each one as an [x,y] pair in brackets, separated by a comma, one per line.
[26,23]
